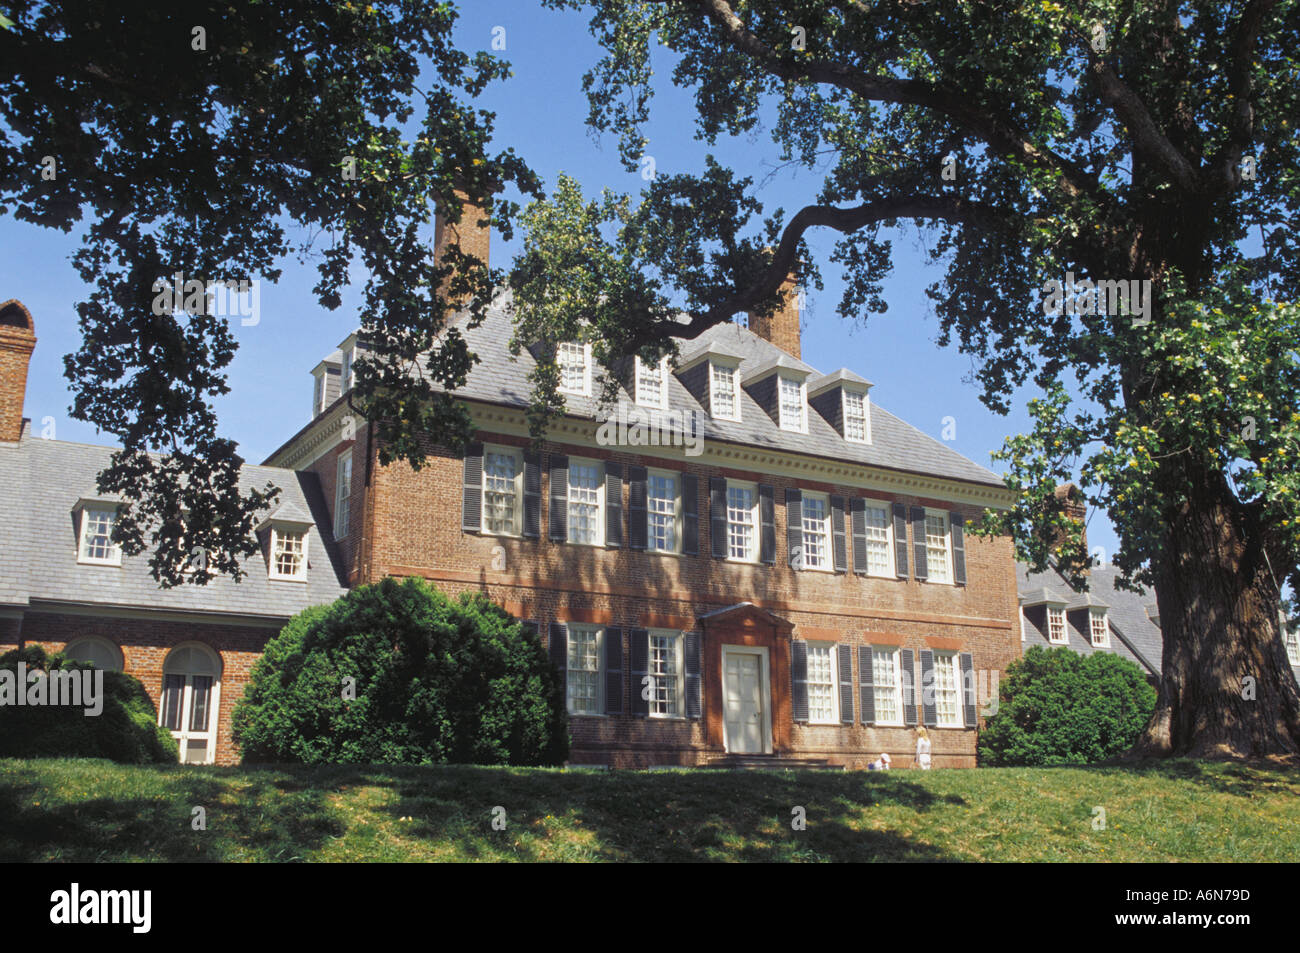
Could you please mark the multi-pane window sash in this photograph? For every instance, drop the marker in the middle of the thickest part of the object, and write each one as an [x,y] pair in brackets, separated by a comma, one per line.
[1055,625]
[661,512]
[815,533]
[288,553]
[500,492]
[947,696]
[855,416]
[880,554]
[742,535]
[1100,631]
[97,536]
[342,494]
[936,547]
[583,675]
[649,384]
[1292,640]
[572,360]
[821,683]
[791,404]
[724,391]
[666,698]
[888,686]
[584,502]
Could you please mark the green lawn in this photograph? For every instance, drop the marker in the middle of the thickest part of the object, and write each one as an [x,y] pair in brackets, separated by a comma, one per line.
[86,810]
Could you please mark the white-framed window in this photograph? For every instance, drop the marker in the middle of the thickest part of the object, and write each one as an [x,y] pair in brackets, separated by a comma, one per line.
[503,491]
[586,502]
[724,391]
[342,493]
[887,684]
[742,522]
[816,531]
[1098,629]
[938,554]
[96,544]
[856,427]
[288,552]
[585,685]
[793,407]
[823,696]
[574,361]
[96,650]
[1022,624]
[663,507]
[880,540]
[1291,637]
[1056,625]
[345,377]
[318,396]
[947,690]
[652,384]
[666,669]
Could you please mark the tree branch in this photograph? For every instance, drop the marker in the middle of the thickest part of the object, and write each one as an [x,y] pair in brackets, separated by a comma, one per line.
[1224,170]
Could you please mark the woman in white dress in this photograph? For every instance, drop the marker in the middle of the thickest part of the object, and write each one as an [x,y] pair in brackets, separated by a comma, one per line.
[922,750]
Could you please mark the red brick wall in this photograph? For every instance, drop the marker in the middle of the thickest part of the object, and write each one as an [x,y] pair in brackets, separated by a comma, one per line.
[16,344]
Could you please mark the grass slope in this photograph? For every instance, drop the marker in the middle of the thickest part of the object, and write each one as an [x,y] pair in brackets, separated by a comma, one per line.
[89,810]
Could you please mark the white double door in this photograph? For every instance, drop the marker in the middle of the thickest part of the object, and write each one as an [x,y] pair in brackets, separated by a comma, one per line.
[746,705]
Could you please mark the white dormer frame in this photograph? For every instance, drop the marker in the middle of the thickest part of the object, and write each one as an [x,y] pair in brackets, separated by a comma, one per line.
[83,511]
[637,369]
[801,425]
[724,368]
[283,530]
[586,368]
[345,370]
[1098,621]
[845,393]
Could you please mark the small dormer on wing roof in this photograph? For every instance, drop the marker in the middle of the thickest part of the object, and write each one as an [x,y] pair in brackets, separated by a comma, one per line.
[710,371]
[779,385]
[1043,596]
[286,535]
[326,387]
[842,398]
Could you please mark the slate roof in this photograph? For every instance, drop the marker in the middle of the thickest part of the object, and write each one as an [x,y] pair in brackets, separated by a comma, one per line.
[501,378]
[44,479]
[1132,633]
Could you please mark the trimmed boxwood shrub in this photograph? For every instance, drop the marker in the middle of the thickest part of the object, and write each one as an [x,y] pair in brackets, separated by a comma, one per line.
[126,730]
[435,680]
[1059,707]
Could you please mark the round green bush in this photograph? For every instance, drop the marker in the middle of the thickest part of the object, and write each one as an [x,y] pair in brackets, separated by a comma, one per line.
[1056,706]
[126,730]
[435,681]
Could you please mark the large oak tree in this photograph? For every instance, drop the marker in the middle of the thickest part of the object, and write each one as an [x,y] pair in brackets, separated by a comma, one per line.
[1115,139]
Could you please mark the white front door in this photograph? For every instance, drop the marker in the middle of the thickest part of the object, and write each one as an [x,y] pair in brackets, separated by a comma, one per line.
[742,689]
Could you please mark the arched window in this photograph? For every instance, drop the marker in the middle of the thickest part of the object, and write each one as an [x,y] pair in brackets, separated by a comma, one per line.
[190,699]
[99,652]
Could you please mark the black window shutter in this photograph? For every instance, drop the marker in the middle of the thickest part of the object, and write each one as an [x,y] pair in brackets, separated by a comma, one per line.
[613,505]
[690,514]
[919,570]
[613,671]
[900,540]
[640,646]
[532,629]
[845,665]
[794,527]
[929,713]
[718,516]
[958,549]
[471,511]
[968,688]
[837,534]
[767,524]
[866,686]
[559,515]
[799,681]
[636,508]
[694,693]
[532,496]
[858,516]
[558,647]
[909,686]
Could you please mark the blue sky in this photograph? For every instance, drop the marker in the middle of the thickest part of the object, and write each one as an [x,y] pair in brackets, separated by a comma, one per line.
[541,112]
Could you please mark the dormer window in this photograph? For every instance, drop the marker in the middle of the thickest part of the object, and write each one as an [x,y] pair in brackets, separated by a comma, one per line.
[288,553]
[95,544]
[791,403]
[1056,626]
[318,396]
[574,362]
[1099,629]
[856,428]
[651,384]
[724,388]
[346,380]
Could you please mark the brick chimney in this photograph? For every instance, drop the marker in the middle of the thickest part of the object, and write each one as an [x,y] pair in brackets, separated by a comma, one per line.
[782,326]
[17,341]
[467,234]
[1075,509]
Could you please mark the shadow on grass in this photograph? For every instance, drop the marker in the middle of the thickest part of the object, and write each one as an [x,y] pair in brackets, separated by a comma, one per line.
[1236,778]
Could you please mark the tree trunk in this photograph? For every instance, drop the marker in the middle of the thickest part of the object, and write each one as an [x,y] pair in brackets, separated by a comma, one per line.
[1226,690]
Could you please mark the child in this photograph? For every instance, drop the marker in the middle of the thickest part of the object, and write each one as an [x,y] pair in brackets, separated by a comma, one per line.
[922,749]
